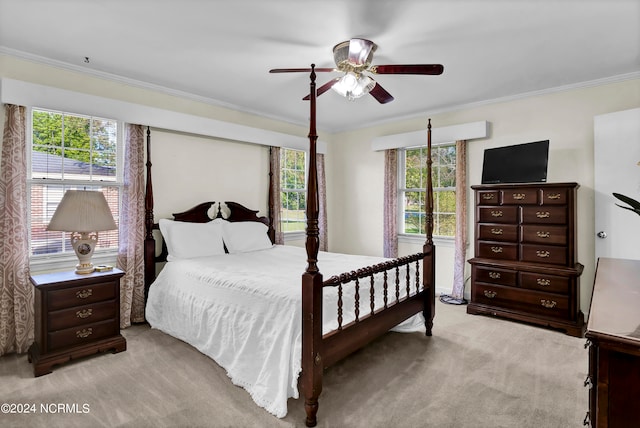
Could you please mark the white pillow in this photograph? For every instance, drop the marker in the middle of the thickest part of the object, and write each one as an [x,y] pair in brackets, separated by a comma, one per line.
[188,240]
[243,236]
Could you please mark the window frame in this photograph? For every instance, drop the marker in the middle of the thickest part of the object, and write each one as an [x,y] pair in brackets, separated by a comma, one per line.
[293,234]
[66,260]
[402,189]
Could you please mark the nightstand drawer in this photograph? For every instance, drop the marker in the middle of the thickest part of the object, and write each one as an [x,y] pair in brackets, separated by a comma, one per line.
[80,315]
[82,334]
[76,296]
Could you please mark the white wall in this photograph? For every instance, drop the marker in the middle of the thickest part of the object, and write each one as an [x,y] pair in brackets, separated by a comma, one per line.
[565,118]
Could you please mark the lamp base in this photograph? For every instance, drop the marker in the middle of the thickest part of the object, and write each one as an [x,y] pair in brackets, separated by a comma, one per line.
[83,243]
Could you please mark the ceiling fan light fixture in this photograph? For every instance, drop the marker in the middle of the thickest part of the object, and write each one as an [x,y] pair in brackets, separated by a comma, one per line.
[352,86]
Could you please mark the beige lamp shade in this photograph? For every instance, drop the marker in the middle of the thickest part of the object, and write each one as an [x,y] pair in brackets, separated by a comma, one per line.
[83,213]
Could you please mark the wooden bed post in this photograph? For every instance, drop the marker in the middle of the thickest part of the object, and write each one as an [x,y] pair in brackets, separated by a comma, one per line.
[429,262]
[149,242]
[312,366]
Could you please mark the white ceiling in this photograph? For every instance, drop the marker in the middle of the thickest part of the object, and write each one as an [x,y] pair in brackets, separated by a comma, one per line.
[220,51]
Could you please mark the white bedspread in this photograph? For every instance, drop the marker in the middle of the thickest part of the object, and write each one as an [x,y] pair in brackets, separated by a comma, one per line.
[244,311]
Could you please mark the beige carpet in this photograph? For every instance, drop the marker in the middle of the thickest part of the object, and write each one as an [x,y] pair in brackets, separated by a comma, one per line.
[475,371]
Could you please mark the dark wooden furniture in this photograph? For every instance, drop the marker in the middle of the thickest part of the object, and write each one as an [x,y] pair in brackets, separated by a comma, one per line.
[613,333]
[75,316]
[525,266]
[321,350]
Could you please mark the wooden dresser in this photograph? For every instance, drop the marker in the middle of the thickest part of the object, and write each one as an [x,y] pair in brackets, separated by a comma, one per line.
[75,316]
[525,266]
[613,334]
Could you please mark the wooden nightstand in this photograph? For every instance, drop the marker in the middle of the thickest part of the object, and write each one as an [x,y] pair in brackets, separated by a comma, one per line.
[75,316]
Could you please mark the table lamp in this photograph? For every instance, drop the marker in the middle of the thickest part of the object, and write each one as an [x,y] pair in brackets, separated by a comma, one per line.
[83,213]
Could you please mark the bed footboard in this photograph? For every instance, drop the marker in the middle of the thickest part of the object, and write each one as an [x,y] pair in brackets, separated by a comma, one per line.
[377,309]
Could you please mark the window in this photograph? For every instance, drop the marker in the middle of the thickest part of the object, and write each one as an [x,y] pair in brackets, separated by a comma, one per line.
[70,151]
[293,190]
[412,183]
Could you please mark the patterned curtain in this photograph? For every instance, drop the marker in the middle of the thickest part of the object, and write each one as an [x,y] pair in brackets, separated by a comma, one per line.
[131,233]
[16,291]
[322,196]
[390,209]
[460,253]
[276,201]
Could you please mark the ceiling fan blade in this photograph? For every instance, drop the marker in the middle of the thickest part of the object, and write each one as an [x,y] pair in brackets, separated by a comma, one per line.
[359,50]
[432,69]
[300,70]
[324,88]
[380,94]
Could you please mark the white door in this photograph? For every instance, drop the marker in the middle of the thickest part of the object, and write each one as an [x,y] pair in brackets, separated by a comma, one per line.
[617,169]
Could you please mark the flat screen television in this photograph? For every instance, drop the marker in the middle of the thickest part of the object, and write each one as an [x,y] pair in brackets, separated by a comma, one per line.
[520,163]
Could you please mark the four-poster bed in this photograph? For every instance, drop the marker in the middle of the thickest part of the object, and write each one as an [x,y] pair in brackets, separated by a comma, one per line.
[329,320]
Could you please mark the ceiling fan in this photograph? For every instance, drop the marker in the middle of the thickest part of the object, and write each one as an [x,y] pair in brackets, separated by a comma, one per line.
[353,58]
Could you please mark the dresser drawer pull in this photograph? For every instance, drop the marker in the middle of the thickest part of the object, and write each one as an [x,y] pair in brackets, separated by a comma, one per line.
[490,294]
[494,275]
[495,231]
[543,214]
[85,313]
[85,332]
[496,213]
[554,196]
[543,254]
[496,249]
[487,196]
[519,196]
[83,294]
[541,234]
[543,282]
[549,304]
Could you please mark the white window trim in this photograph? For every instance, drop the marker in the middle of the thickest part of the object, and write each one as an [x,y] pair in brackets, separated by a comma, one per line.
[67,261]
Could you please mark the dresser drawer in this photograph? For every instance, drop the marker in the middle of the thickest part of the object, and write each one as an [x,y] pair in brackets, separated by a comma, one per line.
[498,232]
[544,215]
[542,282]
[70,297]
[497,250]
[553,197]
[82,334]
[520,196]
[495,276]
[81,315]
[543,254]
[517,299]
[543,234]
[487,197]
[498,214]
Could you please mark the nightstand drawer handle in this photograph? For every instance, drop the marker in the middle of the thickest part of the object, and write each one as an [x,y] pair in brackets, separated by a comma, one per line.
[543,214]
[543,254]
[494,275]
[496,213]
[490,294]
[554,196]
[495,231]
[496,249]
[487,196]
[83,294]
[548,303]
[85,313]
[543,282]
[541,234]
[85,332]
[519,196]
